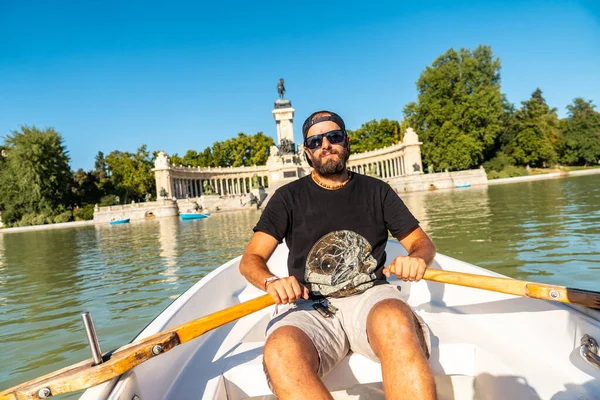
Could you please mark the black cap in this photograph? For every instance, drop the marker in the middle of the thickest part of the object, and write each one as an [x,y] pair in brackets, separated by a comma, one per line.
[333,117]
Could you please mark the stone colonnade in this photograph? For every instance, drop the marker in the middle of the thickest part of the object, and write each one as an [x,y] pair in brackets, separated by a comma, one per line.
[184,188]
[400,159]
[388,168]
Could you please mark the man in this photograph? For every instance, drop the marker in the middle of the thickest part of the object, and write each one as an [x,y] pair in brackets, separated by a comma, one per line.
[335,224]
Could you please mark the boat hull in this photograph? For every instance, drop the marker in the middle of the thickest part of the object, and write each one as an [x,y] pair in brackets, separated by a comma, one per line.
[189,216]
[484,344]
[120,221]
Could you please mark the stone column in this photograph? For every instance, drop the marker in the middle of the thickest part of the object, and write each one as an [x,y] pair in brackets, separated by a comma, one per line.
[412,154]
[162,175]
[284,119]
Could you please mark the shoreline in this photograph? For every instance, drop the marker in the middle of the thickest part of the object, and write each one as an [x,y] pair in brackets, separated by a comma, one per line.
[539,177]
[516,179]
[61,225]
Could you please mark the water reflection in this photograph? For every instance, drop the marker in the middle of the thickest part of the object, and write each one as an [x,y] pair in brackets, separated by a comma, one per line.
[416,205]
[42,299]
[545,231]
[126,274]
[1,252]
[3,289]
[167,238]
[456,220]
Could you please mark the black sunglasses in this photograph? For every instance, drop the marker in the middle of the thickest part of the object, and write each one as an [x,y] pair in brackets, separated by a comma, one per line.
[333,137]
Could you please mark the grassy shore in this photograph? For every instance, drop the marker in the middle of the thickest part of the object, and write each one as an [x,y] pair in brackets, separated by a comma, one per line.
[513,171]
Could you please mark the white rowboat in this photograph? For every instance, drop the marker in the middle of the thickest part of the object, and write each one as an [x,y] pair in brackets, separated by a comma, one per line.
[485,345]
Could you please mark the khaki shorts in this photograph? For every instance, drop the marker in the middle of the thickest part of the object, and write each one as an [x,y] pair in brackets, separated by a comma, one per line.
[346,330]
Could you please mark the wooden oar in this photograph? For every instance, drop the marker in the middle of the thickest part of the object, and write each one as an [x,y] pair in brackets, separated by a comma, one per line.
[516,287]
[84,375]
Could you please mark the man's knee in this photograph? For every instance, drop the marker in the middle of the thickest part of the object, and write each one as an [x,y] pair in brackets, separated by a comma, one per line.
[288,346]
[391,322]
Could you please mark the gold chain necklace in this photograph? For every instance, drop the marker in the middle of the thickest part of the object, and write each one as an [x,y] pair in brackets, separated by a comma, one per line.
[329,187]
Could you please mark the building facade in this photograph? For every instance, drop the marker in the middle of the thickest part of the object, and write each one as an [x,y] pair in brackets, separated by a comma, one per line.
[283,165]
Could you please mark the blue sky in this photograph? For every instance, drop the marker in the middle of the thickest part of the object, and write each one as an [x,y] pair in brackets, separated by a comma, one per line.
[113,75]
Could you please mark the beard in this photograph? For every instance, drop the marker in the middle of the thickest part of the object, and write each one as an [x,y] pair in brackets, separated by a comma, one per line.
[331,166]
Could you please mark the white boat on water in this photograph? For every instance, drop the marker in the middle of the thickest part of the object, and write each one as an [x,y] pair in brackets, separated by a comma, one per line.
[485,345]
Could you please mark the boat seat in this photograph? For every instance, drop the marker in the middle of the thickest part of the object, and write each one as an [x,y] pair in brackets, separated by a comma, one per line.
[355,375]
[449,387]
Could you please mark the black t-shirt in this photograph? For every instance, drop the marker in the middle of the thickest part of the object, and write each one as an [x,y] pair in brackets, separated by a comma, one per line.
[336,238]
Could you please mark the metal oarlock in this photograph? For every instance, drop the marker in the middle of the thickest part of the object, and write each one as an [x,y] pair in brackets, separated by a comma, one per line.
[589,351]
[90,331]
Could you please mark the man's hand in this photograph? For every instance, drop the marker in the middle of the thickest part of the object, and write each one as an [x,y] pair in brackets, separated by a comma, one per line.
[406,268]
[286,290]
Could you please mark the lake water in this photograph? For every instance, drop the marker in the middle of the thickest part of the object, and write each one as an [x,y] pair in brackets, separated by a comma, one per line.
[546,231]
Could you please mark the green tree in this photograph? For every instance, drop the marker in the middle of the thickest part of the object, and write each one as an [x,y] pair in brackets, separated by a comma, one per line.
[190,159]
[176,160]
[35,176]
[535,132]
[579,137]
[375,135]
[100,166]
[86,187]
[205,159]
[459,108]
[132,174]
[260,145]
[243,150]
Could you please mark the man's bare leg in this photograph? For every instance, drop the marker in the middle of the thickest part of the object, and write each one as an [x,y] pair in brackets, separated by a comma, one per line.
[292,363]
[392,333]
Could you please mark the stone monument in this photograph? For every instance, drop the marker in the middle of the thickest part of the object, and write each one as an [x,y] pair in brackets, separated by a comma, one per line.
[283,162]
[162,176]
[284,115]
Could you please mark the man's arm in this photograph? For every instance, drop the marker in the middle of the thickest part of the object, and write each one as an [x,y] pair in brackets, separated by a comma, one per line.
[253,266]
[421,252]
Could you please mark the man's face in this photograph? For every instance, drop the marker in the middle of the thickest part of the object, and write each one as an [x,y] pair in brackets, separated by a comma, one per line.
[327,159]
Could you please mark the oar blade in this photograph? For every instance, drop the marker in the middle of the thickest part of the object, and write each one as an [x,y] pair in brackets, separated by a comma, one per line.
[587,298]
[84,375]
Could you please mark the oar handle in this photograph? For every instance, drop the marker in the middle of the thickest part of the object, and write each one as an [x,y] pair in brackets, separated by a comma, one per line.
[84,374]
[495,284]
[516,287]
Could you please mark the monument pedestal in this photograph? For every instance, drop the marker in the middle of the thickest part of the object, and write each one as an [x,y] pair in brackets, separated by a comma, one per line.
[284,118]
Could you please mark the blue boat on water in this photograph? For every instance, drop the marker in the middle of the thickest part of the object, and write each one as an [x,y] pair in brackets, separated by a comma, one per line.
[187,216]
[463,186]
[119,221]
